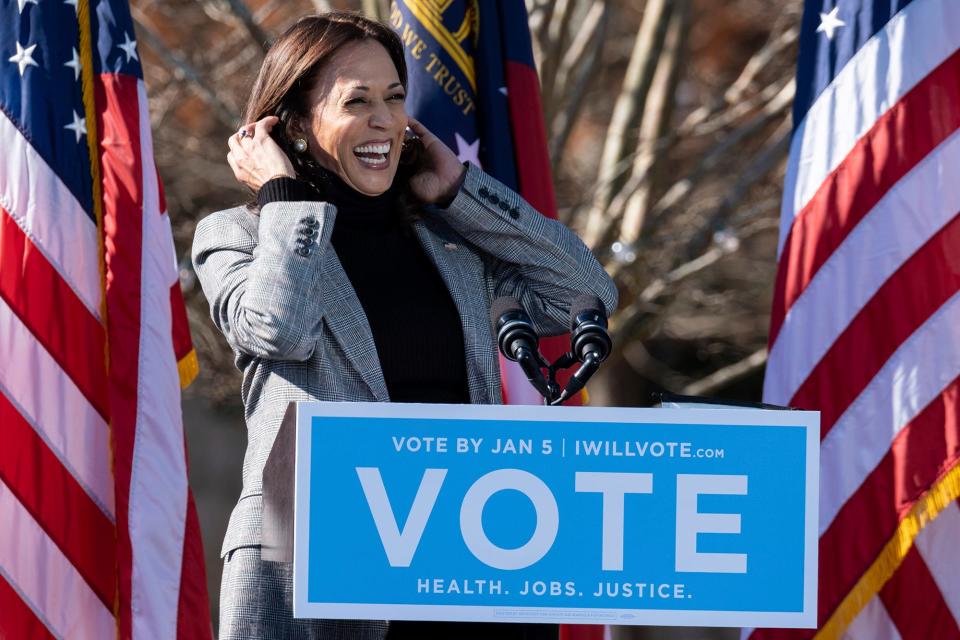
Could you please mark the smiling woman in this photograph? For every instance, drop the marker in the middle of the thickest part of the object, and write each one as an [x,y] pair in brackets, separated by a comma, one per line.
[364,225]
[357,123]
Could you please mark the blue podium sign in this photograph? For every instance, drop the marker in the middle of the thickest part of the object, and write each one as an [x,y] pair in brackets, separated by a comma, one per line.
[556,514]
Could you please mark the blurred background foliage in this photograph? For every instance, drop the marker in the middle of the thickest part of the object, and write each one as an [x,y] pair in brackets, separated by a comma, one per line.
[668,123]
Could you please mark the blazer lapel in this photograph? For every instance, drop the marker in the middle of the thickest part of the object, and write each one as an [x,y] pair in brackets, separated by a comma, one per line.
[348,323]
[462,271]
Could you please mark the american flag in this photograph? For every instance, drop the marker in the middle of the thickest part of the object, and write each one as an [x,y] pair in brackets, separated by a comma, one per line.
[866,316]
[99,537]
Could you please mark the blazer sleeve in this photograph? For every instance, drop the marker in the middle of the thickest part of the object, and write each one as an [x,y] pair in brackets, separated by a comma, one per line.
[260,275]
[528,256]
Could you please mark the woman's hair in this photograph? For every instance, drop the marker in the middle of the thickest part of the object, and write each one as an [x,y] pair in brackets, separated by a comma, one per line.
[290,71]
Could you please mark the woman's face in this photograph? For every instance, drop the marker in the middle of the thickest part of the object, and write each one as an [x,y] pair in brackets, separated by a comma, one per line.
[358,118]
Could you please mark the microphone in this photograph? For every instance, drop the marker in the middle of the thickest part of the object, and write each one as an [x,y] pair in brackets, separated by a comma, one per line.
[588,328]
[589,342]
[517,340]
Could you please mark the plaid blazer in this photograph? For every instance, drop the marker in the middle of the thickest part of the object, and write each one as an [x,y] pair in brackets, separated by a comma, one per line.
[297,328]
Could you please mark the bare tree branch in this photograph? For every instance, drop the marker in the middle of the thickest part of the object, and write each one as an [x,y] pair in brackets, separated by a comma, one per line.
[624,322]
[643,305]
[596,28]
[681,189]
[375,9]
[183,69]
[238,11]
[659,106]
[628,112]
[721,119]
[728,375]
[559,29]
[576,53]
[735,94]
[759,61]
[541,30]
[761,166]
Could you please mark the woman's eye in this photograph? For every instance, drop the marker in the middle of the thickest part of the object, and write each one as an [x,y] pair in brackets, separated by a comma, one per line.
[356,101]
[398,96]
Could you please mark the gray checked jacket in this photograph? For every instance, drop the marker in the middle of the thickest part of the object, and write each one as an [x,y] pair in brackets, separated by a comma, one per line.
[299,333]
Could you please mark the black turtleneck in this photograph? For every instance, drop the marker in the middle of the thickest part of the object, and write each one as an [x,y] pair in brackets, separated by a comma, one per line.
[415,324]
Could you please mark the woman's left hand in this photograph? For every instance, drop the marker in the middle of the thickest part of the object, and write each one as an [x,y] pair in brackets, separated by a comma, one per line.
[442,175]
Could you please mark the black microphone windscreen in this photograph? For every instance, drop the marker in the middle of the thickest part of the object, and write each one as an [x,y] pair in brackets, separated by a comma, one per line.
[502,305]
[586,303]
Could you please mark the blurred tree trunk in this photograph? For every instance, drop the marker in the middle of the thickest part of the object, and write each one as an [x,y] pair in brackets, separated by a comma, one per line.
[627,117]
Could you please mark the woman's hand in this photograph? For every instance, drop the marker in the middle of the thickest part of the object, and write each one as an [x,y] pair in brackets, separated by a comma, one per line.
[442,175]
[255,157]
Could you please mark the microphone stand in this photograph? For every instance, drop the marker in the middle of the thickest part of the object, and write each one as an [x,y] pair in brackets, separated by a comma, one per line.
[517,341]
[563,362]
[553,394]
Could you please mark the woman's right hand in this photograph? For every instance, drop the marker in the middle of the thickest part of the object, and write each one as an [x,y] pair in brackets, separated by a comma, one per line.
[255,157]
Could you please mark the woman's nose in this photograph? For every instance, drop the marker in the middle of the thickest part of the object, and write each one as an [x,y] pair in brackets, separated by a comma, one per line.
[381,117]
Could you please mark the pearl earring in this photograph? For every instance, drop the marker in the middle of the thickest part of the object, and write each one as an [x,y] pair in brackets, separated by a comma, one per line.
[299,145]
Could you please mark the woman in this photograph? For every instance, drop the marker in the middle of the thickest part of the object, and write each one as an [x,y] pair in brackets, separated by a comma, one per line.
[356,243]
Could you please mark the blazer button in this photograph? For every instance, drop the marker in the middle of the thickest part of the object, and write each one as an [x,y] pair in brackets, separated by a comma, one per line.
[303,252]
[307,220]
[483,192]
[494,199]
[504,206]
[514,213]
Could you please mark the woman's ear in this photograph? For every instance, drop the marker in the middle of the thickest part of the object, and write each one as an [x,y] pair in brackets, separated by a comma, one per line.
[412,151]
[292,128]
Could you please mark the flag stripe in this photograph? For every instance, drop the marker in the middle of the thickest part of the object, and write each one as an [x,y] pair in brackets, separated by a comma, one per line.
[52,312]
[18,619]
[872,514]
[193,607]
[187,365]
[877,162]
[872,81]
[937,545]
[37,569]
[49,215]
[887,320]
[906,384]
[118,122]
[583,632]
[158,477]
[57,502]
[530,138]
[915,605]
[873,623]
[913,211]
[50,401]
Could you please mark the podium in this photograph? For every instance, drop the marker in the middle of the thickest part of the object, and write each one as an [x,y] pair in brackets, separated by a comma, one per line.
[572,515]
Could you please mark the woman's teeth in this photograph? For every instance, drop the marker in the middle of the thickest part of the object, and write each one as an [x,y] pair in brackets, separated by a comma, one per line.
[374,155]
[373,148]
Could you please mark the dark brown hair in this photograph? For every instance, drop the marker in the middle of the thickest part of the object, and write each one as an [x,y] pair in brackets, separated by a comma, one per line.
[291,68]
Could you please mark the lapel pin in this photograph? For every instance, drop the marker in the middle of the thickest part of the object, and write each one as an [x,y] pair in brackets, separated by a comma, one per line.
[449,246]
